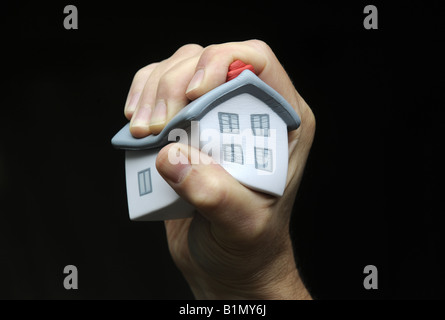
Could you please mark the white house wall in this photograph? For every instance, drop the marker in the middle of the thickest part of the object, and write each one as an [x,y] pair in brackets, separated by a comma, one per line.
[157,202]
[211,139]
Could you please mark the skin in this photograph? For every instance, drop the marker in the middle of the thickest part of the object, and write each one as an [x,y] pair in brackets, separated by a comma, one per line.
[237,246]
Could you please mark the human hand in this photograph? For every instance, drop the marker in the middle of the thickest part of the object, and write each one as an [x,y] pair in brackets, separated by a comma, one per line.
[237,246]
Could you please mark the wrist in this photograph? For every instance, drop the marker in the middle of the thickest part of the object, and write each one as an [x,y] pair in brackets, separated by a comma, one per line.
[290,288]
[278,281]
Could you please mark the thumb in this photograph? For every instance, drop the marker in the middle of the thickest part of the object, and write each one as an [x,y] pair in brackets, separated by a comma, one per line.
[218,196]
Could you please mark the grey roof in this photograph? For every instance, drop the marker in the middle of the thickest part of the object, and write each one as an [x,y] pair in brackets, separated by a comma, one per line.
[246,82]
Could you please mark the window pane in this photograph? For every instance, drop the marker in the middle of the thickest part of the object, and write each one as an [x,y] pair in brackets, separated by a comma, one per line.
[228,122]
[263,159]
[141,183]
[227,150]
[265,121]
[237,154]
[234,127]
[224,121]
[255,121]
[233,153]
[260,124]
[144,181]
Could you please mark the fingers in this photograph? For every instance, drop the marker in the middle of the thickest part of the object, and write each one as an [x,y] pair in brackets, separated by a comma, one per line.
[141,117]
[170,95]
[211,69]
[214,62]
[160,90]
[136,88]
[213,191]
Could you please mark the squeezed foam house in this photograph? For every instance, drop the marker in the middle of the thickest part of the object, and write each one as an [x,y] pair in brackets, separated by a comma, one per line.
[244,121]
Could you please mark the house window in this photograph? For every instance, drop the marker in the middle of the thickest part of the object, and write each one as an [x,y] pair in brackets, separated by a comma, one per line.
[228,122]
[260,124]
[233,153]
[144,179]
[263,159]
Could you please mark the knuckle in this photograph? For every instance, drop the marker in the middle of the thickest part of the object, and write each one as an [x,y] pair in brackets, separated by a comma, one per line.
[256,50]
[166,81]
[210,196]
[143,72]
[167,86]
[308,117]
[211,48]
[261,46]
[189,48]
[217,56]
[312,121]
[210,52]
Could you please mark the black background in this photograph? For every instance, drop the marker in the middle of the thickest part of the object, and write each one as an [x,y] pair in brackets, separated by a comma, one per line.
[370,193]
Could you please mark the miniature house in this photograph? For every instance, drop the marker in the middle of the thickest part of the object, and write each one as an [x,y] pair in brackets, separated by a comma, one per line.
[241,124]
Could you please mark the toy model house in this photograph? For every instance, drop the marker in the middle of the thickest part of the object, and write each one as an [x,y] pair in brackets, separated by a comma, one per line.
[241,124]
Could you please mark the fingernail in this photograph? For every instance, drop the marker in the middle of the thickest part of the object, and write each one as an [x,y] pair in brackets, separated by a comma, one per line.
[177,165]
[133,102]
[159,113]
[196,80]
[141,118]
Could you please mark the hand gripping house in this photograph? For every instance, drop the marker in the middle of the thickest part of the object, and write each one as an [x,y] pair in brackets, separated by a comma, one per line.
[242,125]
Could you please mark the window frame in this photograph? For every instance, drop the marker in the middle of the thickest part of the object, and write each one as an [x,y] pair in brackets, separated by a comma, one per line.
[232,154]
[231,122]
[269,158]
[144,174]
[265,130]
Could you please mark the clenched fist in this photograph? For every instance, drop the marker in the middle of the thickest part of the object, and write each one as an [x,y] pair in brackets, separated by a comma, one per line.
[237,245]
